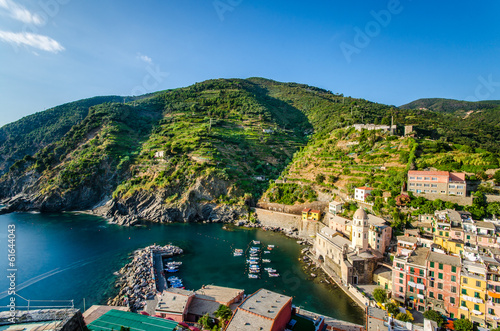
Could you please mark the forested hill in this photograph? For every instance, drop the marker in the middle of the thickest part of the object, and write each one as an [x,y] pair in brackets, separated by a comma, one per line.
[31,133]
[450,106]
[189,153]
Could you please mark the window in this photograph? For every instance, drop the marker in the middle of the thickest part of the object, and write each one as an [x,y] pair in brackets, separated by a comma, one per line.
[412,184]
[468,236]
[426,185]
[453,269]
[426,178]
[476,307]
[453,278]
[400,275]
[464,291]
[400,289]
[497,288]
[453,289]
[491,311]
[419,178]
[431,283]
[463,304]
[431,273]
[412,270]
[419,280]
[433,191]
[431,264]
[412,177]
[440,233]
[440,266]
[440,275]
[440,296]
[452,300]
[421,292]
[411,289]
[476,295]
[460,186]
[496,300]
[421,272]
[465,280]
[447,234]
[400,281]
[431,294]
[434,185]
[451,186]
[452,315]
[412,279]
[478,283]
[440,286]
[434,178]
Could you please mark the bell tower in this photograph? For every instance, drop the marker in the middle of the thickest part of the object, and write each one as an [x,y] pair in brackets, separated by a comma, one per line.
[359,233]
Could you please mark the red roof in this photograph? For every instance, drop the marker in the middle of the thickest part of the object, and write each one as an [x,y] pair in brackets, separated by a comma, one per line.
[365,188]
[457,176]
[306,210]
[428,173]
[315,211]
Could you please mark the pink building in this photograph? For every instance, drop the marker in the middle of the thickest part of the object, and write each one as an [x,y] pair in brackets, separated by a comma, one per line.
[174,303]
[443,279]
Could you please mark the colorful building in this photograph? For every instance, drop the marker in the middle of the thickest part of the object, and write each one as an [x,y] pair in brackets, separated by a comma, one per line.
[473,292]
[493,292]
[311,214]
[437,182]
[360,193]
[443,278]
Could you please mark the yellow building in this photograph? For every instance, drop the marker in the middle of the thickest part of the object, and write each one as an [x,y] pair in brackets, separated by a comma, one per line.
[383,277]
[311,214]
[452,246]
[473,292]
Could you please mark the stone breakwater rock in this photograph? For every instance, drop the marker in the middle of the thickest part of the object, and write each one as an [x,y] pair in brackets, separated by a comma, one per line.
[137,278]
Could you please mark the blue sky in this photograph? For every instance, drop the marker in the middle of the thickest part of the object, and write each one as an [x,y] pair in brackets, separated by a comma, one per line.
[393,52]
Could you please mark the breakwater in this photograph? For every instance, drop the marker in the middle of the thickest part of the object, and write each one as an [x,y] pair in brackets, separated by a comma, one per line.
[138,279]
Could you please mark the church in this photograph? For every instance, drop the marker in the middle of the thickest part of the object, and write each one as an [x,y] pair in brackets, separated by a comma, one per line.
[353,260]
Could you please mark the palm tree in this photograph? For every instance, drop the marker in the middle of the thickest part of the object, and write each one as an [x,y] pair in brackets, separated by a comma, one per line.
[223,313]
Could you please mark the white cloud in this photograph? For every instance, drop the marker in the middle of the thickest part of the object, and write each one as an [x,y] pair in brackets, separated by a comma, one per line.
[145,58]
[38,41]
[20,13]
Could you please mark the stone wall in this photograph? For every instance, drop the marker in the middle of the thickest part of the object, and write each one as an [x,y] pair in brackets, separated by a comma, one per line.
[306,229]
[492,198]
[464,201]
[295,209]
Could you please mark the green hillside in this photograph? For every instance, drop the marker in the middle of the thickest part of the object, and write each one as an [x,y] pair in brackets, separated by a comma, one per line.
[223,142]
[451,106]
[31,133]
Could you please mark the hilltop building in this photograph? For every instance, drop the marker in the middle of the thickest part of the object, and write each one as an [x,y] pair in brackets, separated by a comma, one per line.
[385,128]
[437,182]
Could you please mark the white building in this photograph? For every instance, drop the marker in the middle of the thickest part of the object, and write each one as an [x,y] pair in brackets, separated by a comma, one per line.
[360,193]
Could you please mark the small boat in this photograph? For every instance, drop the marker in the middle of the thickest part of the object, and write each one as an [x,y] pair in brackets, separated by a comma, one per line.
[267,252]
[266,260]
[273,274]
[237,254]
[254,271]
[270,270]
[256,242]
[253,276]
[172,270]
[270,246]
[173,278]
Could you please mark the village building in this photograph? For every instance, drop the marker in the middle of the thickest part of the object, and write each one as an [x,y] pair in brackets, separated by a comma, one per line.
[335,207]
[360,193]
[353,260]
[263,310]
[443,283]
[437,182]
[473,292]
[208,299]
[309,214]
[409,278]
[173,303]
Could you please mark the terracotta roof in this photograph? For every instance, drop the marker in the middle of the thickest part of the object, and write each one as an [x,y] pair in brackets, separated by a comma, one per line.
[457,176]
[306,210]
[428,173]
[364,188]
[315,211]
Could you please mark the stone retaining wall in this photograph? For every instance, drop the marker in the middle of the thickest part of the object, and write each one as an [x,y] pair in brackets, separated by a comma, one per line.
[464,201]
[306,229]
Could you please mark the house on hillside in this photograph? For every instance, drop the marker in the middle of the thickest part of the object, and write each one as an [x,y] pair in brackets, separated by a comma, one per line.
[360,193]
[335,207]
[437,182]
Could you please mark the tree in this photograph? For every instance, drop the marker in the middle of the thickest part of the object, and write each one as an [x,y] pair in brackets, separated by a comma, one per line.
[206,321]
[405,317]
[434,316]
[223,313]
[392,308]
[380,295]
[496,177]
[463,324]
[320,178]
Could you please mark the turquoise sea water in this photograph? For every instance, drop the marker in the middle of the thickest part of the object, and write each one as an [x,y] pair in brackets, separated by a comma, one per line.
[73,256]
